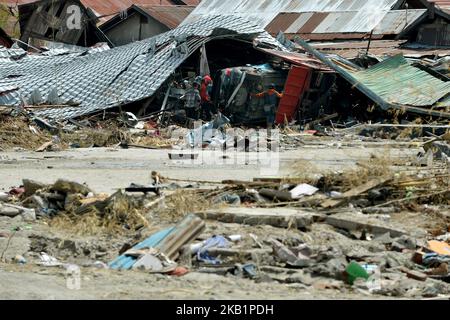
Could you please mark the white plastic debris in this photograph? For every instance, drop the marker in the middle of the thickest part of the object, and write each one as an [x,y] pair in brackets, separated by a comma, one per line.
[48,261]
[303,190]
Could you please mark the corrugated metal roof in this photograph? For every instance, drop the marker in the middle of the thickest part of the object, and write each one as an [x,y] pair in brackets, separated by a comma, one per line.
[121,75]
[264,11]
[351,49]
[344,24]
[397,82]
[170,16]
[108,8]
[298,59]
[398,20]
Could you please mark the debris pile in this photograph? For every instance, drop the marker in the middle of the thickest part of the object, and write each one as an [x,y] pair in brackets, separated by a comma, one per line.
[73,206]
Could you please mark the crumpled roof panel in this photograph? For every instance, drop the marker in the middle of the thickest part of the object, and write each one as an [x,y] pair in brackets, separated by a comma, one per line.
[118,76]
[397,82]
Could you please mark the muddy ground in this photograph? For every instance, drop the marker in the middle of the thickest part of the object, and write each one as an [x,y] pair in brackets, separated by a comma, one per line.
[108,169]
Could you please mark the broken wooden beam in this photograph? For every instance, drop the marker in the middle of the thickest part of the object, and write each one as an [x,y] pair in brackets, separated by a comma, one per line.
[416,275]
[184,233]
[331,203]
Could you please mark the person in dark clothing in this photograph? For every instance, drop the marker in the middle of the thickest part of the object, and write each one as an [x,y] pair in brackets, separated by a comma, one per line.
[271,97]
[192,101]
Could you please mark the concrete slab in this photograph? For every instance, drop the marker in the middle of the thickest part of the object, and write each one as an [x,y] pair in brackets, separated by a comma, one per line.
[279,217]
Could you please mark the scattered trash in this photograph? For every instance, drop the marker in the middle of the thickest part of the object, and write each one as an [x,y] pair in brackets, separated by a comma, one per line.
[214,242]
[439,247]
[163,247]
[48,261]
[354,271]
[303,190]
[20,259]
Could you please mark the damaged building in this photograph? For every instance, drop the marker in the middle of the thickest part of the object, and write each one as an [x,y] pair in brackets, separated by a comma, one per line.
[68,22]
[144,21]
[50,20]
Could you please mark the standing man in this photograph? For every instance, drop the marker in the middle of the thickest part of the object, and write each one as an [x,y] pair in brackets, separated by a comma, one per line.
[192,101]
[205,94]
[271,97]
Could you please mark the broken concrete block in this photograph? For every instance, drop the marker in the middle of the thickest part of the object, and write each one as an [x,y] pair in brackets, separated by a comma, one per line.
[334,268]
[351,222]
[404,242]
[4,196]
[28,214]
[384,238]
[281,217]
[382,210]
[300,277]
[283,253]
[8,211]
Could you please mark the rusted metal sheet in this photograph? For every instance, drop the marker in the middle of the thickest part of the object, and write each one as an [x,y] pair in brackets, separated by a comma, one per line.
[264,11]
[282,22]
[106,9]
[344,24]
[351,49]
[298,59]
[296,84]
[170,16]
[398,20]
[313,22]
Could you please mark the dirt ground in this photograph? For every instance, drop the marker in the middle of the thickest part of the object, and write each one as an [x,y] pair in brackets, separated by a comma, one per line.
[108,169]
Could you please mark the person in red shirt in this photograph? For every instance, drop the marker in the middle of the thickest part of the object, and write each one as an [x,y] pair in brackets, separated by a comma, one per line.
[205,90]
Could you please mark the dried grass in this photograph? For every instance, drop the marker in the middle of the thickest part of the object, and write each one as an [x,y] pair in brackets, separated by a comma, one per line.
[94,137]
[15,133]
[183,202]
[121,211]
[152,141]
[306,172]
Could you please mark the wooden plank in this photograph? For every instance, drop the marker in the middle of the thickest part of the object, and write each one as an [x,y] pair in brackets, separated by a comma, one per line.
[331,203]
[416,275]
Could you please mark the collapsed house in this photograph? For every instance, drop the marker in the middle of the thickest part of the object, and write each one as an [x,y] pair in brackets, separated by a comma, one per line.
[122,75]
[48,20]
[140,22]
